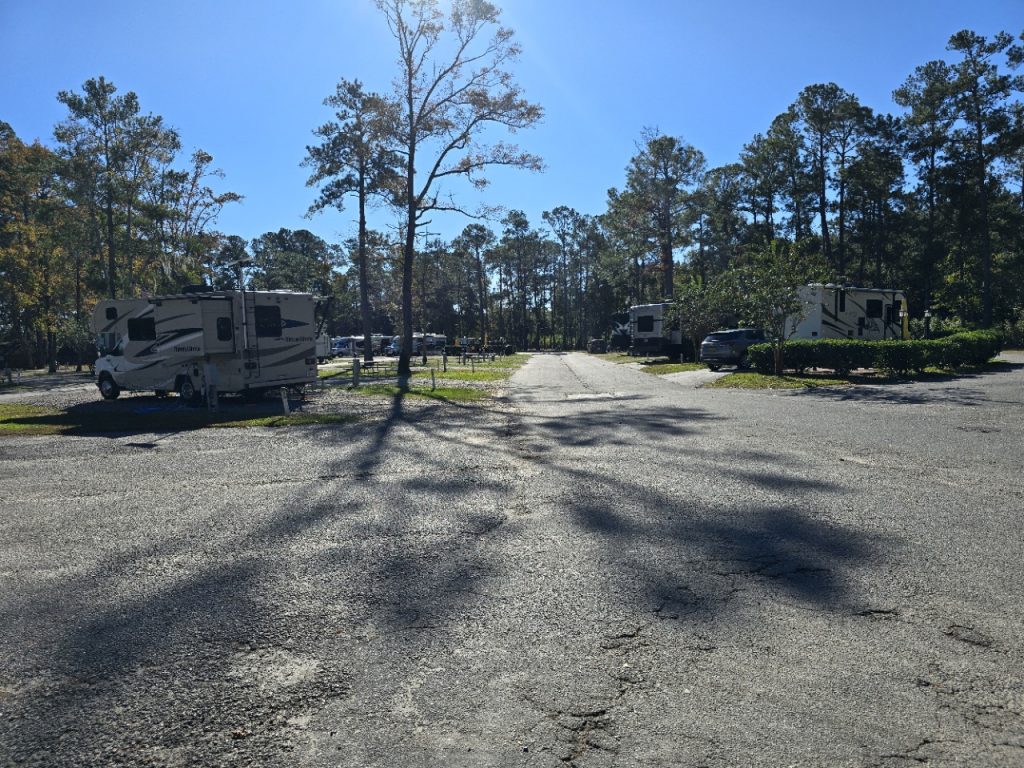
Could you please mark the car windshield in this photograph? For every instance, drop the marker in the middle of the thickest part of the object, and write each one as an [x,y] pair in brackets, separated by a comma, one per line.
[725,336]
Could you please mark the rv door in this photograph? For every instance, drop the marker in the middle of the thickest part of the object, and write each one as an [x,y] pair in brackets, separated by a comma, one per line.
[218,326]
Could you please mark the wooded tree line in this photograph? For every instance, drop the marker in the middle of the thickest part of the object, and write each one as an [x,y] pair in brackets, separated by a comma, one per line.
[930,200]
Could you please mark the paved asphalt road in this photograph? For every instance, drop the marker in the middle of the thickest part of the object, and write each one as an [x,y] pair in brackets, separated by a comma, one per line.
[611,569]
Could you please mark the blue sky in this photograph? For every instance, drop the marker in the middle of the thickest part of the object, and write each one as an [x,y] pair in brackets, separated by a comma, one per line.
[245,80]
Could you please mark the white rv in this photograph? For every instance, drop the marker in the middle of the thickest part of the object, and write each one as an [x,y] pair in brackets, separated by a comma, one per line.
[845,312]
[650,333]
[238,341]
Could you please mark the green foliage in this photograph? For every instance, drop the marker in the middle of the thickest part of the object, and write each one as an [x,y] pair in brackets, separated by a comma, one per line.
[295,260]
[1013,333]
[901,357]
[701,306]
[657,196]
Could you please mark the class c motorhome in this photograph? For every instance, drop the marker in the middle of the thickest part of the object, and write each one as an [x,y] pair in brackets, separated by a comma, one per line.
[846,312]
[238,341]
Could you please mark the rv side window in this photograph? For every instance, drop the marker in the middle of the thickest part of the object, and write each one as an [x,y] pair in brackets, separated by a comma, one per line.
[873,307]
[842,301]
[111,313]
[268,322]
[142,329]
[645,323]
[224,329]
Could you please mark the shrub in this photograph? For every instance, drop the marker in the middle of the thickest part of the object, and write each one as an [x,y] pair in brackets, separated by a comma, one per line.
[900,357]
[762,357]
[843,355]
[1013,333]
[894,356]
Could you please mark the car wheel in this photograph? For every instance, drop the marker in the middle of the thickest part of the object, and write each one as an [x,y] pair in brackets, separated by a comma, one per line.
[188,392]
[712,367]
[744,361]
[108,388]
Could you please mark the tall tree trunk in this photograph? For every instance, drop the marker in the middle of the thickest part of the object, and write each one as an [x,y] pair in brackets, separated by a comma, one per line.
[841,255]
[78,308]
[111,261]
[826,240]
[483,296]
[986,235]
[364,289]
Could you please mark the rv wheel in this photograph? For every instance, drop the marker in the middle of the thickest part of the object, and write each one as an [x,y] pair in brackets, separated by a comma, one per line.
[188,392]
[109,388]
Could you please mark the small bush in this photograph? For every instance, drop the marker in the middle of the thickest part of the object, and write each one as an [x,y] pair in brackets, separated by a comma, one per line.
[762,357]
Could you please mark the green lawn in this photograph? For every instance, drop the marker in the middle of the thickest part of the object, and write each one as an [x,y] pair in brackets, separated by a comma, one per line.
[446,394]
[654,365]
[465,374]
[762,381]
[660,369]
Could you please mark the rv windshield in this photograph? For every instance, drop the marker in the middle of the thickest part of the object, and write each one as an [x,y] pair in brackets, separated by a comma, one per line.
[107,344]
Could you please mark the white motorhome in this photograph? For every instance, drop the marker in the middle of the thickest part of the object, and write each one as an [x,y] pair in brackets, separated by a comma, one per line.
[238,341]
[650,333]
[846,312]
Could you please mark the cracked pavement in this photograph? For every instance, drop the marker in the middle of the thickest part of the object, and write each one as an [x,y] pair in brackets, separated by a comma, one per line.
[606,569]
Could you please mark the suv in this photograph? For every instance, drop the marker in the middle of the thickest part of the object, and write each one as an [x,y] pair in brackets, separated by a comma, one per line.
[730,347]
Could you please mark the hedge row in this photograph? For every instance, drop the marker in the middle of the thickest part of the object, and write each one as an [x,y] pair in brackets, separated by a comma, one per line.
[899,357]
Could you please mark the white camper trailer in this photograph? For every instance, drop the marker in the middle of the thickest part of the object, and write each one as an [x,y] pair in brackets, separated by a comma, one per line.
[650,333]
[845,312]
[238,341]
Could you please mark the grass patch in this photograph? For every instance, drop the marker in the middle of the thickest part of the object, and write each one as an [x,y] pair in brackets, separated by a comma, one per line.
[465,374]
[660,369]
[330,373]
[518,360]
[619,357]
[18,419]
[761,381]
[647,361]
[29,420]
[445,394]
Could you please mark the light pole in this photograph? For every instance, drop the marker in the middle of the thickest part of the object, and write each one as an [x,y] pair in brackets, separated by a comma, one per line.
[928,323]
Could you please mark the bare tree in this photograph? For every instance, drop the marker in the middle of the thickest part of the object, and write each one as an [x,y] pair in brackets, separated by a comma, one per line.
[452,86]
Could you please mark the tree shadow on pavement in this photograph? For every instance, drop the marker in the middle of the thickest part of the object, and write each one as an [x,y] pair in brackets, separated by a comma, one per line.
[184,629]
[252,606]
